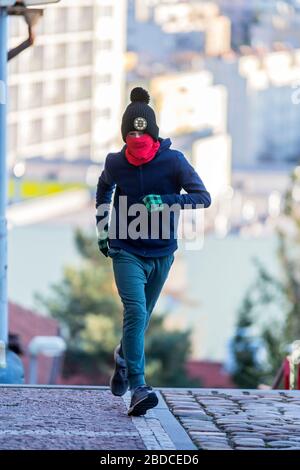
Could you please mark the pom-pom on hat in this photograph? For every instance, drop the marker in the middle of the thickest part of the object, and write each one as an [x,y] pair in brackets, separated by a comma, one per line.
[139,116]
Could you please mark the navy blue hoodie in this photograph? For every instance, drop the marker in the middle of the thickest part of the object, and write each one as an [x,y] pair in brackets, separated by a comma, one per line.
[166,174]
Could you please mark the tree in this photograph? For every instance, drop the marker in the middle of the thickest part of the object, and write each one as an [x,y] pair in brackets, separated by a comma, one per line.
[87,306]
[259,348]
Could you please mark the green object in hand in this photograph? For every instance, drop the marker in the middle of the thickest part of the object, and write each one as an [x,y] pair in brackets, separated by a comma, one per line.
[153,202]
[103,242]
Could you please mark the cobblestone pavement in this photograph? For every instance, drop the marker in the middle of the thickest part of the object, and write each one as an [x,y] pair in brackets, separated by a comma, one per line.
[150,429]
[91,418]
[88,418]
[45,418]
[237,419]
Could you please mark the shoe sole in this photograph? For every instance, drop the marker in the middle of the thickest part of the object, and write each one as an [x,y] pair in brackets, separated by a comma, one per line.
[141,407]
[112,378]
[112,386]
[114,392]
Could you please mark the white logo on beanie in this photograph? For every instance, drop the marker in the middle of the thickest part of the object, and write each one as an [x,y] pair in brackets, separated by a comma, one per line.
[140,123]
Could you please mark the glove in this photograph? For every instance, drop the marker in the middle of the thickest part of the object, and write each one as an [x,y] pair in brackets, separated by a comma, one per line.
[153,202]
[103,242]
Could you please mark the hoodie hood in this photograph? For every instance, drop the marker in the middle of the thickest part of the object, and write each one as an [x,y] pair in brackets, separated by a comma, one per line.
[164,144]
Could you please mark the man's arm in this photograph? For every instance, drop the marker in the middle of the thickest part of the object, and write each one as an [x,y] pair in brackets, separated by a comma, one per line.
[105,188]
[190,181]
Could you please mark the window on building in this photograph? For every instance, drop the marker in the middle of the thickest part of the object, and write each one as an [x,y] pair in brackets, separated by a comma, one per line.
[105,78]
[30,96]
[106,10]
[60,20]
[85,50]
[13,66]
[86,20]
[85,87]
[55,56]
[71,124]
[36,59]
[105,44]
[72,55]
[31,60]
[30,132]
[73,19]
[79,53]
[78,88]
[14,26]
[13,98]
[53,127]
[85,122]
[104,113]
[12,136]
[54,92]
[78,123]
[48,20]
[72,89]
[55,20]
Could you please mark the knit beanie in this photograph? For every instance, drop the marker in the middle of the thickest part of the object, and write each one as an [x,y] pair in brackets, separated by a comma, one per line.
[139,116]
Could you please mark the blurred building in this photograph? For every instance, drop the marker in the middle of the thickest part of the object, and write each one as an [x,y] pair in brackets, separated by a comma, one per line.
[217,36]
[186,17]
[243,15]
[212,160]
[66,91]
[143,9]
[280,26]
[262,22]
[193,111]
[171,35]
[145,38]
[190,101]
[263,109]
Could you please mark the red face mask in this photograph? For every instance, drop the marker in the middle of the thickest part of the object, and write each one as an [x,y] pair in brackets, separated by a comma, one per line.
[141,149]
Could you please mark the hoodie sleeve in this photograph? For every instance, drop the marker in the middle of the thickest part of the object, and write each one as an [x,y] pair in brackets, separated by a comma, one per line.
[190,181]
[105,188]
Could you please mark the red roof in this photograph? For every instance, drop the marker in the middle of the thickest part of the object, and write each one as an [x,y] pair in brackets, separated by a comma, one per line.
[27,324]
[211,374]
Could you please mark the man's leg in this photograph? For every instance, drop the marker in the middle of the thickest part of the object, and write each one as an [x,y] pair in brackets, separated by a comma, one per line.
[131,276]
[156,281]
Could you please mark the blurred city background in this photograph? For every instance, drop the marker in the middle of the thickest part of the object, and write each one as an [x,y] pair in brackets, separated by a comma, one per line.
[224,80]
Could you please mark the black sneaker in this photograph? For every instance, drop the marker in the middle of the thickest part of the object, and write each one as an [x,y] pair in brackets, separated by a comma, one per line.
[142,400]
[119,382]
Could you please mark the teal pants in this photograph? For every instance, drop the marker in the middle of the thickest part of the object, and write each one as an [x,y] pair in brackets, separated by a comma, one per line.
[139,281]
